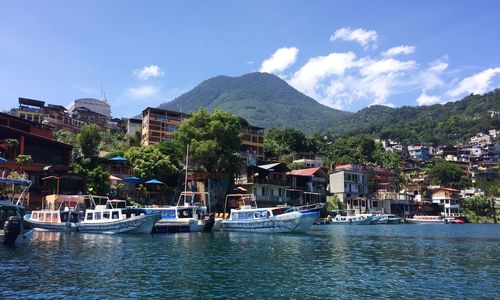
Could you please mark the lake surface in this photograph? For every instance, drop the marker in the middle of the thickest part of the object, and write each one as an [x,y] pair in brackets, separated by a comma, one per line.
[331,261]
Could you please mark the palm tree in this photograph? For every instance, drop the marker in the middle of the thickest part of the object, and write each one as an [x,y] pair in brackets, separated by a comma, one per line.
[491,190]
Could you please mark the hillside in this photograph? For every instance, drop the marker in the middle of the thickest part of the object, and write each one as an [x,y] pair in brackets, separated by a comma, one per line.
[449,123]
[262,99]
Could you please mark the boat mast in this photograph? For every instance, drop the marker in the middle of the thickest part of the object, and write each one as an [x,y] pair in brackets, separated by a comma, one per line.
[186,175]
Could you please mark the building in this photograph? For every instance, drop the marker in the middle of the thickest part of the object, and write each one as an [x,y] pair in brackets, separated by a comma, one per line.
[252,144]
[58,117]
[350,184]
[419,153]
[448,199]
[36,140]
[89,116]
[101,107]
[31,110]
[311,181]
[159,125]
[308,160]
[133,126]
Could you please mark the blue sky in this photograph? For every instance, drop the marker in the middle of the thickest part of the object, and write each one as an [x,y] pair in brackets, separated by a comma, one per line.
[345,54]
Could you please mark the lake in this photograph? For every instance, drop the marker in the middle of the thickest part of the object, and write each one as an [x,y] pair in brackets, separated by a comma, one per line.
[330,261]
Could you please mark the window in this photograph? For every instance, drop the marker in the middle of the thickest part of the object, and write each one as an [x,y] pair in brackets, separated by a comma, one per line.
[263,191]
[97,215]
[105,215]
[35,216]
[355,202]
[90,216]
[375,203]
[114,215]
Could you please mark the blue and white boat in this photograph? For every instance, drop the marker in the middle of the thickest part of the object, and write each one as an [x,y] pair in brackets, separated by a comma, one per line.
[249,218]
[113,216]
[191,214]
[12,229]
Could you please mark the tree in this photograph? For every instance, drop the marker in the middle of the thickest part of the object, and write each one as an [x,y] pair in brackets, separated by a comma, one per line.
[334,203]
[355,149]
[149,162]
[283,143]
[23,159]
[66,137]
[444,173]
[99,184]
[491,190]
[88,141]
[214,140]
[174,150]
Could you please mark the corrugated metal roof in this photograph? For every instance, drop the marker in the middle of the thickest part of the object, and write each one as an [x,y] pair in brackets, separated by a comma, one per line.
[304,172]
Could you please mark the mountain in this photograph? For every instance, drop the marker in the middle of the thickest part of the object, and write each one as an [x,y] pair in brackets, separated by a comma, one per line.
[267,101]
[441,123]
[262,99]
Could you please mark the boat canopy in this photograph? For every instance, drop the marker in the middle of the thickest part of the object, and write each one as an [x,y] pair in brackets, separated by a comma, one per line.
[15,181]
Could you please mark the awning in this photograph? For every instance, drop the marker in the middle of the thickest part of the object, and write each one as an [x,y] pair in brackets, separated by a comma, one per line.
[114,178]
[154,181]
[132,180]
[117,158]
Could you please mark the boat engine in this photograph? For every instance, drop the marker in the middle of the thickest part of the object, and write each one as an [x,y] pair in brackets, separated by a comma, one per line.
[210,223]
[12,229]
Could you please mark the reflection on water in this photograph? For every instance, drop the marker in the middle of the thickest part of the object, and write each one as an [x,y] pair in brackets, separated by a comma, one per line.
[428,261]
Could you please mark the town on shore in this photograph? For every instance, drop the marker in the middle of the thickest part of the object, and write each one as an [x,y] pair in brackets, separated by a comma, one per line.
[82,149]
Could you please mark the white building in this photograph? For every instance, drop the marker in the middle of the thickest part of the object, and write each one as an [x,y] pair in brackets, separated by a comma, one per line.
[99,106]
[350,184]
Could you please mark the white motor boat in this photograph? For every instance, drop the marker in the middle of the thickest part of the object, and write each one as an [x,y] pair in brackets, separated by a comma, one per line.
[191,214]
[426,220]
[249,218]
[12,229]
[113,216]
[65,218]
[349,217]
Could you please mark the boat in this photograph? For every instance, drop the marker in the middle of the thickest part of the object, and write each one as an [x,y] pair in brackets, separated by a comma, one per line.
[189,215]
[381,218]
[113,216]
[247,217]
[349,217]
[12,229]
[69,212]
[426,220]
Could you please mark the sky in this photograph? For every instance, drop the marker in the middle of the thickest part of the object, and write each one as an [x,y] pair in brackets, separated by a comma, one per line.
[345,54]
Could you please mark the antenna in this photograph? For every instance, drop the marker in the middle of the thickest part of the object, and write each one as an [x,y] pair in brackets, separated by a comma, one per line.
[103,94]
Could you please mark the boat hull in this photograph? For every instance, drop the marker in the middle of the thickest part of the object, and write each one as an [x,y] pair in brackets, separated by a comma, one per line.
[137,224]
[288,222]
[47,226]
[173,226]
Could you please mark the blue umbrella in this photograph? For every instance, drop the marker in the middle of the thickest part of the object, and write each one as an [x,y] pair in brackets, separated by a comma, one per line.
[132,180]
[154,181]
[117,158]
[2,160]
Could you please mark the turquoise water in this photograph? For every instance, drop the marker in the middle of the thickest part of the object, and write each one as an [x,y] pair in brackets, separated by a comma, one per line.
[383,261]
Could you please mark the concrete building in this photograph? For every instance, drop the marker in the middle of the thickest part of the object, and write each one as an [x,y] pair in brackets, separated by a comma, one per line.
[101,107]
[252,144]
[159,125]
[133,126]
[31,110]
[350,184]
[448,199]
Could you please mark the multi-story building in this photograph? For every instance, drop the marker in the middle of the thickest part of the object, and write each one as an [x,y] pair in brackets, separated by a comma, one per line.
[350,184]
[419,153]
[35,140]
[448,199]
[252,144]
[58,117]
[308,160]
[159,125]
[101,107]
[31,110]
[133,126]
[311,181]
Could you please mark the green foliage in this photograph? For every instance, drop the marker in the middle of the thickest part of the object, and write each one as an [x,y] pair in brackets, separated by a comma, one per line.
[296,166]
[213,139]
[491,190]
[479,205]
[263,99]
[334,203]
[149,162]
[99,184]
[441,124]
[114,141]
[357,149]
[174,150]
[283,143]
[386,159]
[24,159]
[12,142]
[444,173]
[65,137]
[88,141]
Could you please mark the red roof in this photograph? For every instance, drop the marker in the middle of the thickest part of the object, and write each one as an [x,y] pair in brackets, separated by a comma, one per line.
[304,172]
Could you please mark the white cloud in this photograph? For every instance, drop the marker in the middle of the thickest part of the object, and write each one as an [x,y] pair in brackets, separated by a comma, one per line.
[388,65]
[425,99]
[143,91]
[360,35]
[478,83]
[399,50]
[149,72]
[280,60]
